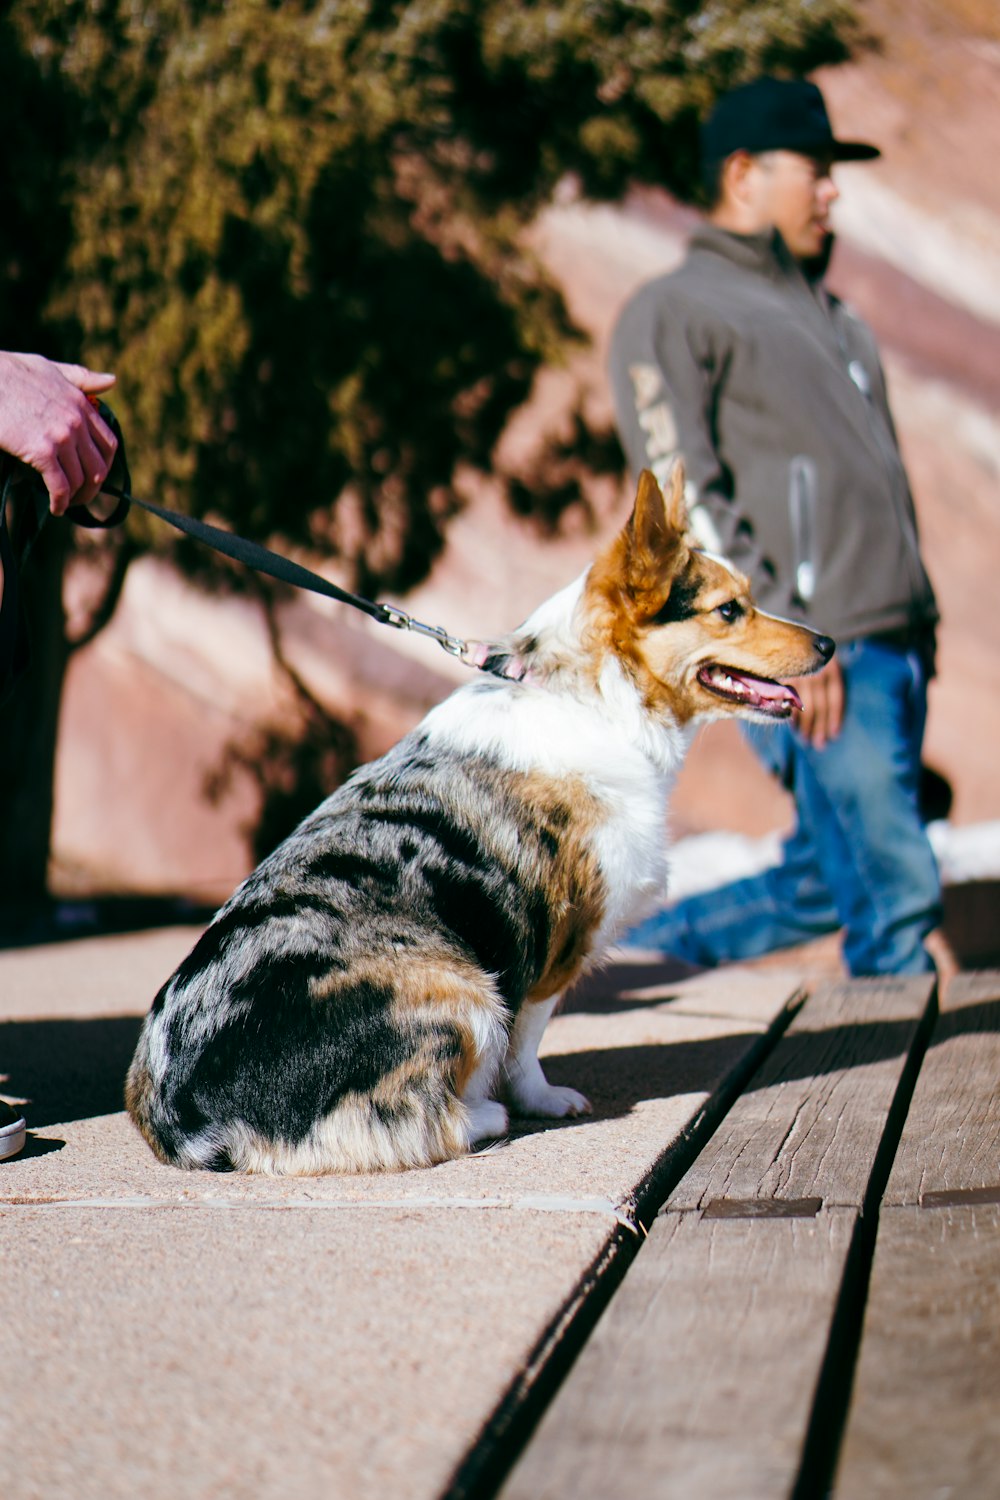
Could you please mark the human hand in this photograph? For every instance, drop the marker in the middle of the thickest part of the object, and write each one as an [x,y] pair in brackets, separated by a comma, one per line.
[47,422]
[822,712]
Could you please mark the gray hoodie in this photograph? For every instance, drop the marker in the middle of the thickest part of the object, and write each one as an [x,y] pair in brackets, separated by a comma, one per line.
[772,392]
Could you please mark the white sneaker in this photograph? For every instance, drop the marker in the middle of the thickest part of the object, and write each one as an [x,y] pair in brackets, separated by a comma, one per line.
[12,1129]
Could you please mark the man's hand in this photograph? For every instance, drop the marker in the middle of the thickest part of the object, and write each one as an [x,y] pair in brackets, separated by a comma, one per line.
[47,422]
[822,697]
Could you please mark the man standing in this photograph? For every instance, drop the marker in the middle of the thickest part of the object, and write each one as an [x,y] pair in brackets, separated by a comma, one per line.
[771,390]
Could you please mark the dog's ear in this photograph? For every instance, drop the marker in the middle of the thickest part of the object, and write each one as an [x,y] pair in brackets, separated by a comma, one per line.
[638,568]
[656,532]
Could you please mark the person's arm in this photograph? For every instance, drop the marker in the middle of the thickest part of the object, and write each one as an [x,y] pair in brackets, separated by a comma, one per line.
[665,378]
[693,369]
[47,422]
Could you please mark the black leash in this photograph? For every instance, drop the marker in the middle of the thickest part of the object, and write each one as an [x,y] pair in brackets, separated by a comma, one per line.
[13,645]
[263,560]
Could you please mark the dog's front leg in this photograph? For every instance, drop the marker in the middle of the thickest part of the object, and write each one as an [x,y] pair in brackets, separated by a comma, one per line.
[526,1087]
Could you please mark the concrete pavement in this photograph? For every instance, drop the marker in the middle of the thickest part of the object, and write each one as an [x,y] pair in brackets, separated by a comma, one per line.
[203,1335]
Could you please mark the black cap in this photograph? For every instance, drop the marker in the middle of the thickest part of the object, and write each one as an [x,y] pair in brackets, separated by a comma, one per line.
[776,114]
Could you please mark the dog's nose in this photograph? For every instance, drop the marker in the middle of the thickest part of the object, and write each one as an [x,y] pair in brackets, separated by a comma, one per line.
[825,646]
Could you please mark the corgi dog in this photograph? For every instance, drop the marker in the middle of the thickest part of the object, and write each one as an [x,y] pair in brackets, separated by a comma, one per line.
[372,997]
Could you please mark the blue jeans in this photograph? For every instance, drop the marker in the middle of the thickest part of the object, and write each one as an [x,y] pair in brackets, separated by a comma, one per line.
[859,857]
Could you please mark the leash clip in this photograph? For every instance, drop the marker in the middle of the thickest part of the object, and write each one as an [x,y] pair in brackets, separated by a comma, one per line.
[400,620]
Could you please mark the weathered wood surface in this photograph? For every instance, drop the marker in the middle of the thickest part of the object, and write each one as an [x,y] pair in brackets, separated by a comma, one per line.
[699,1379]
[925,1412]
[812,1118]
[951,1142]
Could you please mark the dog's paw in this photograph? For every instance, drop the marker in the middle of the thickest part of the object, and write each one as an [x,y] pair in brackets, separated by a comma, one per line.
[486,1121]
[552,1103]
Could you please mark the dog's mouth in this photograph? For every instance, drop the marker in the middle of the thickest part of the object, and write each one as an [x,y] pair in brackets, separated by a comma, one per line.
[775,699]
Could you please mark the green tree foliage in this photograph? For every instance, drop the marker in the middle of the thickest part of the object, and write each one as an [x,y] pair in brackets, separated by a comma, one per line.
[295,229]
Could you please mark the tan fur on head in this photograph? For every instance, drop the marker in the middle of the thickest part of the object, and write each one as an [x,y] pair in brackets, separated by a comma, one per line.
[656,533]
[635,572]
[672,612]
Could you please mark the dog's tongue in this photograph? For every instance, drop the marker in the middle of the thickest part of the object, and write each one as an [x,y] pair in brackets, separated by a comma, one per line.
[768,692]
[759,692]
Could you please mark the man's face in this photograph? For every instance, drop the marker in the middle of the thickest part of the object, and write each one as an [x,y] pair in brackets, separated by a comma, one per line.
[793,194]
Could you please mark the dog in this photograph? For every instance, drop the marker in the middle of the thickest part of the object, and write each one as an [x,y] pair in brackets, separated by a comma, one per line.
[373,996]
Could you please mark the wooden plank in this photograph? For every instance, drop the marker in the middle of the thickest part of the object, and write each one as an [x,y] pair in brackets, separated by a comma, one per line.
[925,1410]
[698,1380]
[810,1122]
[951,1140]
[925,1413]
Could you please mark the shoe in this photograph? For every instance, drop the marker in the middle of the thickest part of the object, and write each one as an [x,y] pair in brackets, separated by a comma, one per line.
[12,1130]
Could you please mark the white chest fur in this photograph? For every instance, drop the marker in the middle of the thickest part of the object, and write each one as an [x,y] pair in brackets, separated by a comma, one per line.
[602,737]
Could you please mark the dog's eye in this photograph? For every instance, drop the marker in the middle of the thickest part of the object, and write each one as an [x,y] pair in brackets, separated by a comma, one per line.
[730,611]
